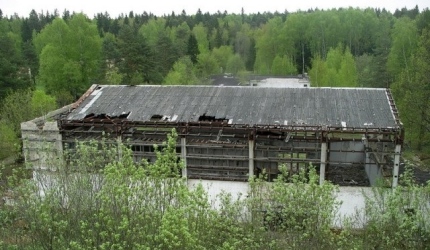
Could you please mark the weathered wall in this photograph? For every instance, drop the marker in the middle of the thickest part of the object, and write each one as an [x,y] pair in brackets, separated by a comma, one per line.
[214,188]
[347,155]
[352,198]
[42,144]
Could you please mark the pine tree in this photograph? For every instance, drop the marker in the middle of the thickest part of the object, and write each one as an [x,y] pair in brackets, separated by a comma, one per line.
[193,49]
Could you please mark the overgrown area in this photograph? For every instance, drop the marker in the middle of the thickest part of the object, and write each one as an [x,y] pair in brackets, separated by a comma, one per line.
[97,197]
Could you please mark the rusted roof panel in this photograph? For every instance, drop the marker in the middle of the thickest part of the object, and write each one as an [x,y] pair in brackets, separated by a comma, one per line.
[350,107]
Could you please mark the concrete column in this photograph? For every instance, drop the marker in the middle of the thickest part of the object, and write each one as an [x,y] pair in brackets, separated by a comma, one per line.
[119,146]
[184,156]
[251,157]
[323,161]
[396,165]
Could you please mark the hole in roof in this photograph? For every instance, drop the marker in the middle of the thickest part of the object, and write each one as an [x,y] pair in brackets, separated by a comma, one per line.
[208,118]
[156,117]
[124,115]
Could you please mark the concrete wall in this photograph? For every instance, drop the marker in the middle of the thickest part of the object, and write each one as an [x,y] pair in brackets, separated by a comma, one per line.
[352,198]
[357,156]
[214,188]
[42,144]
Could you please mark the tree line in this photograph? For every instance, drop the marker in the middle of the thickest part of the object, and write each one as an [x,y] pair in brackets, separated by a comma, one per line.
[61,55]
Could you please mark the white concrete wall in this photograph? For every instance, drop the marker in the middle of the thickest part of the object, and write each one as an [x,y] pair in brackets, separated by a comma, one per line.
[352,198]
[214,188]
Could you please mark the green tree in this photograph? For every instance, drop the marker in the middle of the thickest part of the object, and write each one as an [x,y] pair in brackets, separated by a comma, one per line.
[182,73]
[404,43]
[13,73]
[283,66]
[41,103]
[347,74]
[16,108]
[20,106]
[381,51]
[412,92]
[222,55]
[366,71]
[9,141]
[69,55]
[235,64]
[180,36]
[166,54]
[338,70]
[270,41]
[201,34]
[138,60]
[206,65]
[111,60]
[193,48]
[153,30]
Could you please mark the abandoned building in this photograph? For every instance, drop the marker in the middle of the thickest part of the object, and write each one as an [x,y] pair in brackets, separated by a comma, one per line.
[353,136]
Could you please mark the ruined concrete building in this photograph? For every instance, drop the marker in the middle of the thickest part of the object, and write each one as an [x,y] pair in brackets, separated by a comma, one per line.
[353,136]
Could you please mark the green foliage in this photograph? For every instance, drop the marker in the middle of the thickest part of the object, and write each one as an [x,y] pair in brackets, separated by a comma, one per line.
[193,48]
[207,65]
[13,74]
[9,142]
[200,33]
[16,108]
[69,55]
[397,219]
[298,206]
[182,73]
[222,55]
[404,43]
[366,73]
[338,70]
[283,66]
[412,92]
[41,103]
[270,42]
[113,76]
[20,106]
[235,64]
[137,57]
[99,198]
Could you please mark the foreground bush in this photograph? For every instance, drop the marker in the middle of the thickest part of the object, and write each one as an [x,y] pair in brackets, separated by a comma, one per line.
[97,197]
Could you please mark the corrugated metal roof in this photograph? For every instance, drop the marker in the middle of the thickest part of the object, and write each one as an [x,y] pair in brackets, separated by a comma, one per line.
[354,107]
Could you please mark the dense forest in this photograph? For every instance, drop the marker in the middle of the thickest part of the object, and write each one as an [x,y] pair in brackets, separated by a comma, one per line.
[48,59]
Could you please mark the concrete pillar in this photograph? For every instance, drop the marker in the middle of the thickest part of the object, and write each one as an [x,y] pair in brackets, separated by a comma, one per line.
[323,161]
[184,155]
[396,165]
[119,146]
[251,157]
